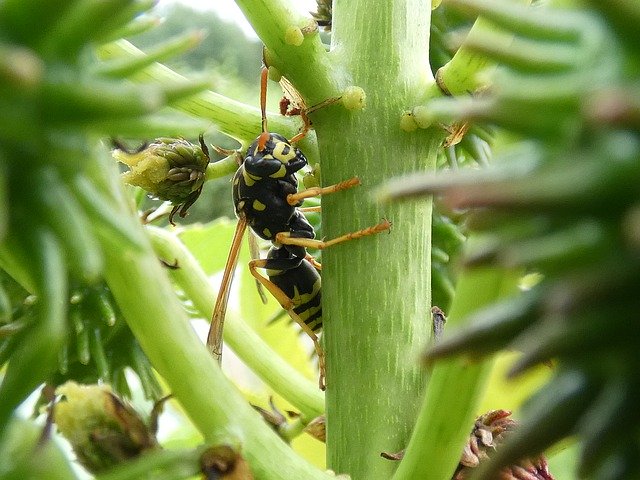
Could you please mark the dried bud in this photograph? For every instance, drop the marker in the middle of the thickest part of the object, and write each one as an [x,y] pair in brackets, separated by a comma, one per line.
[324,14]
[102,430]
[439,319]
[317,428]
[395,456]
[170,169]
[488,432]
[224,463]
[273,417]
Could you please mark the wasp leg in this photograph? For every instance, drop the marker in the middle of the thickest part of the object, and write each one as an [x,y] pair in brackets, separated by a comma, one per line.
[299,227]
[306,126]
[304,114]
[288,304]
[324,103]
[310,209]
[311,259]
[254,250]
[285,238]
[295,198]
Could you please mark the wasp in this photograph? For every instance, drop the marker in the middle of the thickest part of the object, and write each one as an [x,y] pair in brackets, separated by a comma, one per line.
[266,199]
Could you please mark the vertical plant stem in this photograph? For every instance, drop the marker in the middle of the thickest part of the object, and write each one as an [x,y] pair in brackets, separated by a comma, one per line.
[376,290]
[455,386]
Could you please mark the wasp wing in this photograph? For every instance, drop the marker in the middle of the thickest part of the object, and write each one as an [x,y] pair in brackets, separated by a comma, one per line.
[214,338]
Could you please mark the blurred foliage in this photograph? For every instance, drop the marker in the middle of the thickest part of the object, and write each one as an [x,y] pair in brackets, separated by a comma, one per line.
[233,58]
[563,204]
[62,211]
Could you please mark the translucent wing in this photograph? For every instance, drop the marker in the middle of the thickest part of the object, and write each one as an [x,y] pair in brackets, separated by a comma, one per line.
[214,338]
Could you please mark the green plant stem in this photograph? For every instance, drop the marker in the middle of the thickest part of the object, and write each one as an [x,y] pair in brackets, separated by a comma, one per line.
[303,394]
[235,119]
[223,167]
[460,75]
[376,290]
[307,65]
[455,386]
[157,319]
[185,461]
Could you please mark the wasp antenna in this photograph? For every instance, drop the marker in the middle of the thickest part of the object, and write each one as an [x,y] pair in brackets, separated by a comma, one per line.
[303,133]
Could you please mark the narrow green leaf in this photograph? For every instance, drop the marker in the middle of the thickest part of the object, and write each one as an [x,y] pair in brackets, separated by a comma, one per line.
[125,67]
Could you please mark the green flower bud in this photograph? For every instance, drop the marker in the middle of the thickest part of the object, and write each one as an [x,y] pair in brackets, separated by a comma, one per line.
[102,430]
[408,123]
[169,168]
[354,98]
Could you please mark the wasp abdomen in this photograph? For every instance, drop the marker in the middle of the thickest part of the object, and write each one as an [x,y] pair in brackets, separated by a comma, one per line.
[300,281]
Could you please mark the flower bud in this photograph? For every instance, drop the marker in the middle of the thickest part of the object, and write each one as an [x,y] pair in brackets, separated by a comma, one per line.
[170,169]
[489,431]
[102,430]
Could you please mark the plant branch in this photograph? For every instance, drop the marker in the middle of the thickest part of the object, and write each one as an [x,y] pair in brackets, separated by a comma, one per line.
[293,46]
[214,405]
[235,119]
[460,75]
[446,415]
[243,340]
[376,291]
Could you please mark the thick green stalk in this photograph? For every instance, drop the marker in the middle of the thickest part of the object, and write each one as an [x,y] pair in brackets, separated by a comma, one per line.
[217,409]
[376,290]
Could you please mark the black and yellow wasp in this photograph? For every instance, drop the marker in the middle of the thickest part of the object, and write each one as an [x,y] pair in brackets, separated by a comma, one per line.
[266,198]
